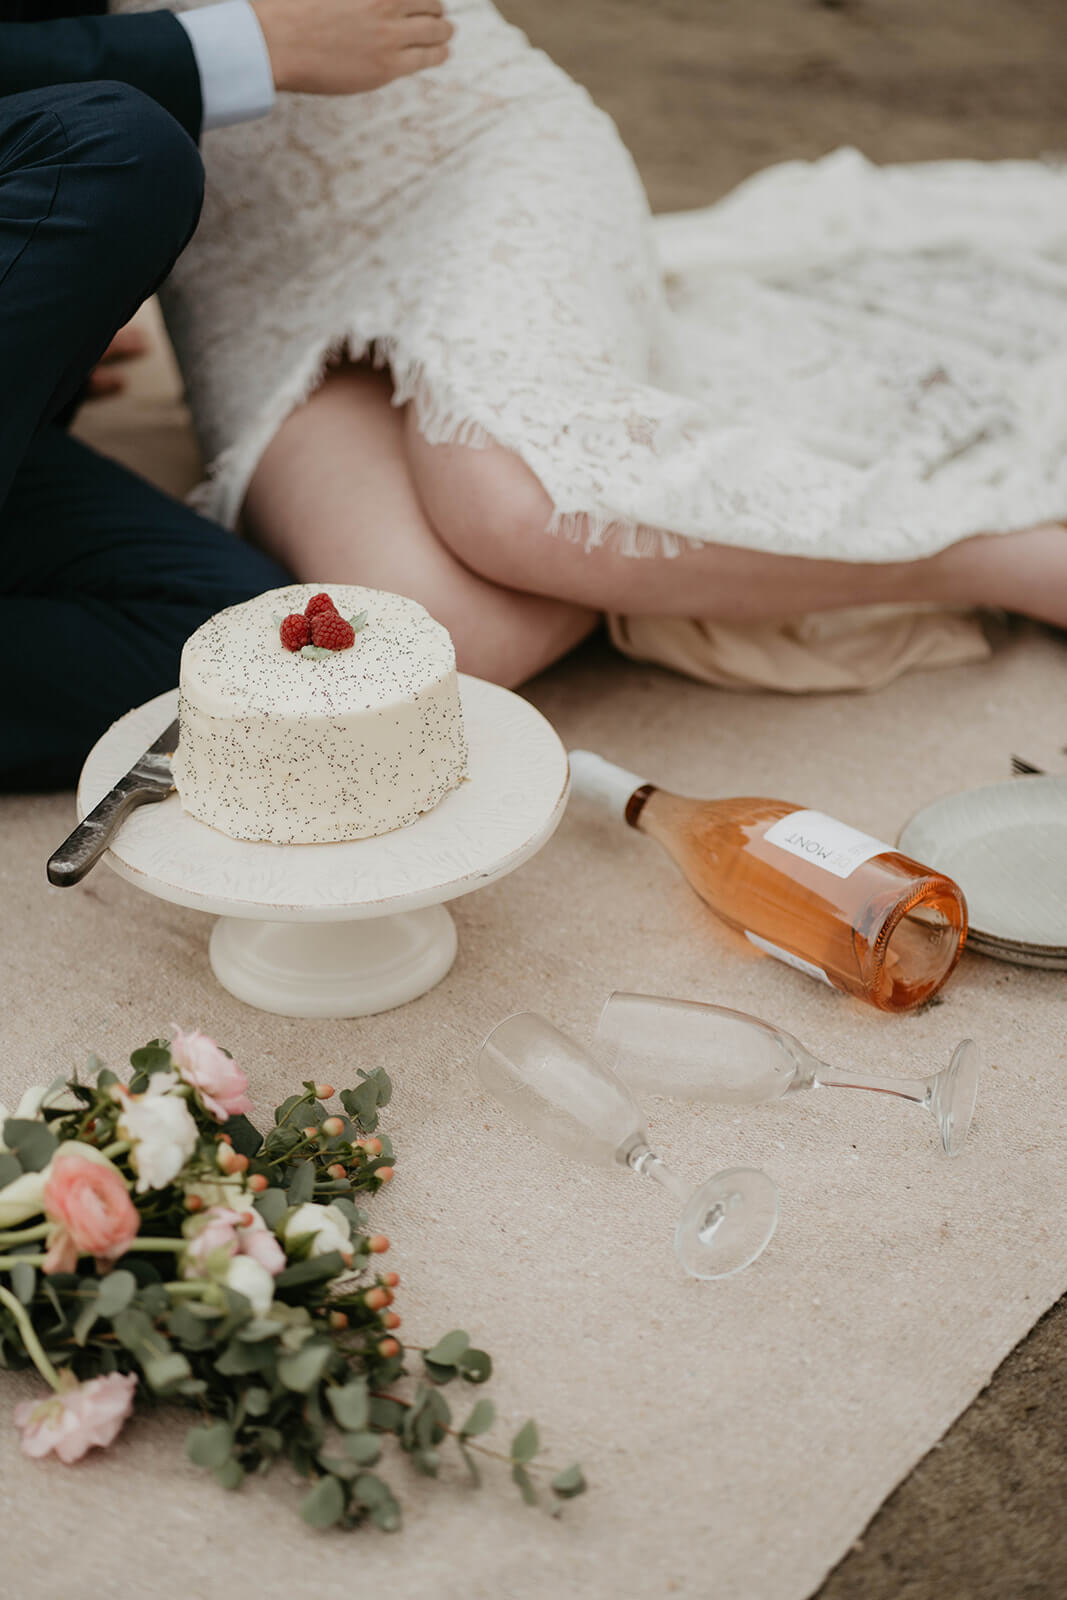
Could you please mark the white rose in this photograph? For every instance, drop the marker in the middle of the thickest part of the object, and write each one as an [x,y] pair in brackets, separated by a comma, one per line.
[328,1226]
[162,1131]
[252,1280]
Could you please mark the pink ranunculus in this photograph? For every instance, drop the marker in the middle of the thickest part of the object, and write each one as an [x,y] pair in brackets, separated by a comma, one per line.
[218,1081]
[92,1212]
[73,1422]
[241,1233]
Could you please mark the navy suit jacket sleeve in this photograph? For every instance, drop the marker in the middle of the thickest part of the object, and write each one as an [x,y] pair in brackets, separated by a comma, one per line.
[149,50]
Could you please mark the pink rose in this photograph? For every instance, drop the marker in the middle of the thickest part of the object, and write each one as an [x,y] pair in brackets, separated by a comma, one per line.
[241,1233]
[73,1422]
[92,1212]
[218,1081]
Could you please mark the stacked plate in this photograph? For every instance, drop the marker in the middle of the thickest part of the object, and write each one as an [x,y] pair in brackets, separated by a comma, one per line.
[1006,847]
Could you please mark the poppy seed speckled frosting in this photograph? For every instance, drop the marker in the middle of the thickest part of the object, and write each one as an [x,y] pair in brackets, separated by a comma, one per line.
[279,746]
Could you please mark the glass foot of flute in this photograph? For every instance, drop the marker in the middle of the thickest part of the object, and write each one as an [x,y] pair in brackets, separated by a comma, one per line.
[578,1105]
[691,1051]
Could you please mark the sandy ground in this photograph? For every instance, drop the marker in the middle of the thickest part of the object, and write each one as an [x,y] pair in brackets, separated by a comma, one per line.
[706,92]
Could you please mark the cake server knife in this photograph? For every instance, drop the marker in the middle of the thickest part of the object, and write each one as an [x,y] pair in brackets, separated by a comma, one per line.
[148,780]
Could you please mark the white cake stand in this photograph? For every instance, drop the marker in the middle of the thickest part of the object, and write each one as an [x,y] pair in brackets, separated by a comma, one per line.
[343,930]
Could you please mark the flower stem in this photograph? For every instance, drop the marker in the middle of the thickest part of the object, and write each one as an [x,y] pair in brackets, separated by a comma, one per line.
[16,1261]
[196,1288]
[29,1338]
[119,1148]
[24,1235]
[140,1243]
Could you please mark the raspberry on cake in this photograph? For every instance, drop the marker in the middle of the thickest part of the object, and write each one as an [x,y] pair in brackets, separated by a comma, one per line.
[295,631]
[317,603]
[350,743]
[331,632]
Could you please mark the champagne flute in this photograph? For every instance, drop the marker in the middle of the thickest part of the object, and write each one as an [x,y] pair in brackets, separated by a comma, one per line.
[554,1088]
[704,1052]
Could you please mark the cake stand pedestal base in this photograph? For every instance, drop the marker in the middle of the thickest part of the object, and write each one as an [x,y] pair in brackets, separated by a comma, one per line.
[343,930]
[333,969]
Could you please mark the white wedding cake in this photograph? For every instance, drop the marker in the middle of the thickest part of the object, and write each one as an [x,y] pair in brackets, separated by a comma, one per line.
[309,729]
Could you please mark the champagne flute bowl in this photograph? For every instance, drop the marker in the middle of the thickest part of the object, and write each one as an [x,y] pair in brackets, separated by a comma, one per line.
[693,1051]
[559,1092]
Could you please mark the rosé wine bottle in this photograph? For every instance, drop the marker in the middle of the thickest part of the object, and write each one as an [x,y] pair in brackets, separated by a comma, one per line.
[836,903]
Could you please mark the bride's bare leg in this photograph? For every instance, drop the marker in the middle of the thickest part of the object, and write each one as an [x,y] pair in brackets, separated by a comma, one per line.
[333,500]
[491,511]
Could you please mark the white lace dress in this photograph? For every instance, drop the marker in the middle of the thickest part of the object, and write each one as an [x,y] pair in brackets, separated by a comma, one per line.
[836,360]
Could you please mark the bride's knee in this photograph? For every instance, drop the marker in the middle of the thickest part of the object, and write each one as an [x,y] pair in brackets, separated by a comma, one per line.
[485,505]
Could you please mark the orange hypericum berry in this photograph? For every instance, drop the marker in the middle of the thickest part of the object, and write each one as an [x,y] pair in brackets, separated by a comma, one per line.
[384,1174]
[240,1163]
[338,1319]
[223,1138]
[193,1202]
[324,1091]
[388,1347]
[258,1182]
[336,1171]
[310,1132]
[333,1126]
[375,1299]
[228,1160]
[373,1147]
[391,1320]
[391,1278]
[377,1244]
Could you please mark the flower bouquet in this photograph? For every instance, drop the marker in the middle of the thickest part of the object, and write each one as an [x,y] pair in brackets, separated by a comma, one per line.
[154,1244]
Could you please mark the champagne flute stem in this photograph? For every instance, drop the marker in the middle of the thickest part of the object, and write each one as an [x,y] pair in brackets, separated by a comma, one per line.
[915,1089]
[645,1161]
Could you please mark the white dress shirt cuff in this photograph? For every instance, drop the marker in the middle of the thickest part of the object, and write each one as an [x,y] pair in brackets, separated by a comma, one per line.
[236,80]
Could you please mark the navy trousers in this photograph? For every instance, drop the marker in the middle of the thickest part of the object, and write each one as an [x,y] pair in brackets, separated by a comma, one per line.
[102,577]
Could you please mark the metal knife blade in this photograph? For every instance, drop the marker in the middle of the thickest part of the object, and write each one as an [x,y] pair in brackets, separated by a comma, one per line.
[148,780]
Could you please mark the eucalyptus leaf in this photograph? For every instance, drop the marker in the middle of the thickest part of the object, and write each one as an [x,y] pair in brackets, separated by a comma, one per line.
[133,1329]
[569,1482]
[84,1324]
[303,1370]
[238,1358]
[526,1442]
[257,1402]
[364,1448]
[480,1420]
[188,1328]
[427,1461]
[209,1446]
[24,1281]
[154,1057]
[325,1504]
[272,1205]
[350,1404]
[301,1185]
[246,1138]
[472,1465]
[30,1142]
[10,1168]
[231,1474]
[475,1366]
[116,1291]
[447,1351]
[520,1476]
[385,1414]
[161,1372]
[316,1269]
[437,1372]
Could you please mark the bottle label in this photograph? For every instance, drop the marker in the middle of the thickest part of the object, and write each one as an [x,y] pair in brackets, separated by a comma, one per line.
[825,842]
[788,957]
